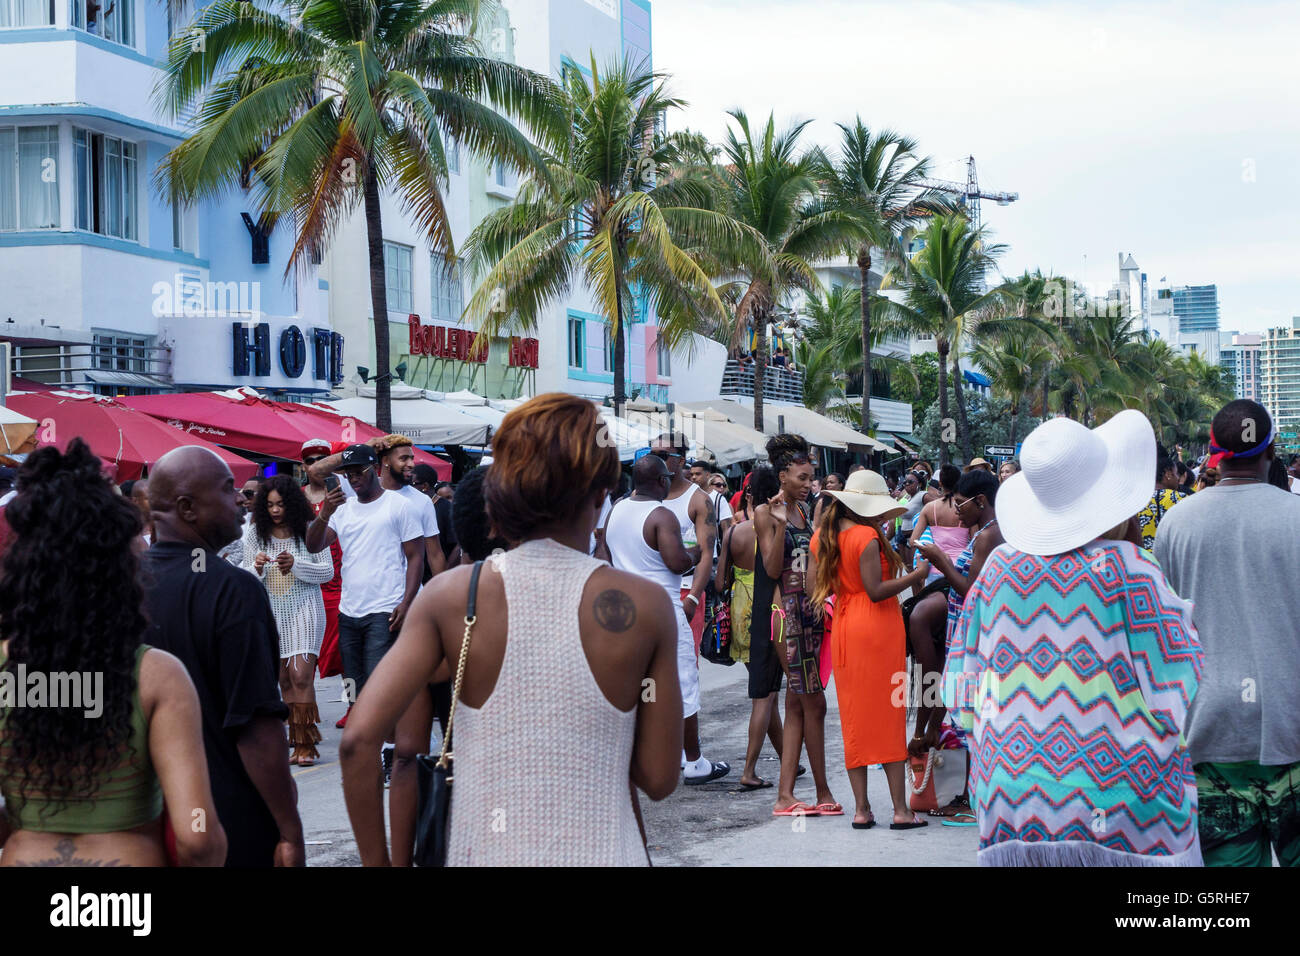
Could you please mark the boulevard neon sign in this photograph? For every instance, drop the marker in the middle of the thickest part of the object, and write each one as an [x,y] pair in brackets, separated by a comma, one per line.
[439,341]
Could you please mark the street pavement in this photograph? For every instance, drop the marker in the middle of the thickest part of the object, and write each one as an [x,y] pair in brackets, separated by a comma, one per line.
[715,824]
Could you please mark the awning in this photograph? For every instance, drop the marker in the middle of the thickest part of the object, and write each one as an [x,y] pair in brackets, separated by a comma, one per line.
[816,429]
[420,419]
[975,378]
[473,405]
[125,379]
[903,441]
[709,433]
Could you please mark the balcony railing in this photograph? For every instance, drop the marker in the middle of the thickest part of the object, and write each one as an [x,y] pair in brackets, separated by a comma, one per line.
[108,368]
[779,384]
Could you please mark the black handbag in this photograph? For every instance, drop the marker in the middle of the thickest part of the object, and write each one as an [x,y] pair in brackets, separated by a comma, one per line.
[434,777]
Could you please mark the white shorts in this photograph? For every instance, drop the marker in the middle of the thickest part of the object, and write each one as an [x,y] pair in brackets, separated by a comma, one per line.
[688,667]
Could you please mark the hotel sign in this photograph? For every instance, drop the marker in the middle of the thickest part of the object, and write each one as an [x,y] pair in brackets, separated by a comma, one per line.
[440,341]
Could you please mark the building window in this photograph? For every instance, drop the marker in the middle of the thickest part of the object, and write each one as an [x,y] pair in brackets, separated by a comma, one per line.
[452,149]
[26,13]
[111,19]
[106,184]
[444,279]
[575,342]
[500,175]
[608,351]
[29,189]
[184,228]
[121,353]
[665,357]
[397,275]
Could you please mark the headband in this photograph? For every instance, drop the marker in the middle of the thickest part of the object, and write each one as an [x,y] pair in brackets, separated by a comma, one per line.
[1218,453]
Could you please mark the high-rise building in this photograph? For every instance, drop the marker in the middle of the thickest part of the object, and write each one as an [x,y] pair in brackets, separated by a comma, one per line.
[1239,355]
[1197,308]
[1280,373]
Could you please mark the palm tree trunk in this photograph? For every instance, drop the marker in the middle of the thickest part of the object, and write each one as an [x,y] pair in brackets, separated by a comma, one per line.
[1015,423]
[620,359]
[379,304]
[942,348]
[864,271]
[760,362]
[963,425]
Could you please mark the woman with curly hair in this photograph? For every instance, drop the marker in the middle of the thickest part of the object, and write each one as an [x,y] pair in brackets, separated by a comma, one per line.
[786,631]
[85,781]
[277,535]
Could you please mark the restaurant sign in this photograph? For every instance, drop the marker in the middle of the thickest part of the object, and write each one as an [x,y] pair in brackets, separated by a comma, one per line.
[440,341]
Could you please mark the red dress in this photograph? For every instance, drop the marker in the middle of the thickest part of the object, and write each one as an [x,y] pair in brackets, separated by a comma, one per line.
[330,661]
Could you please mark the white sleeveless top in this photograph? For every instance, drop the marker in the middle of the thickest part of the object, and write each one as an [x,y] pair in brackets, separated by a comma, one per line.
[625,538]
[681,507]
[542,768]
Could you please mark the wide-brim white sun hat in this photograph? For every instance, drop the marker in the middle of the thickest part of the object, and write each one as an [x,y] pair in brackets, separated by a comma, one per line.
[866,494]
[1075,483]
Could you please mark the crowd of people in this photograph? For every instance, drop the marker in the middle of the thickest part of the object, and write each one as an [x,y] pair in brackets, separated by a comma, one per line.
[1108,630]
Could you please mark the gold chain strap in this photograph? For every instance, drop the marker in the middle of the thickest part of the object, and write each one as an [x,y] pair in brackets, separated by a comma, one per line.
[445,757]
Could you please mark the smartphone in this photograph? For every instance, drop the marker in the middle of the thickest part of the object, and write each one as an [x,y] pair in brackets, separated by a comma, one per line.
[331,482]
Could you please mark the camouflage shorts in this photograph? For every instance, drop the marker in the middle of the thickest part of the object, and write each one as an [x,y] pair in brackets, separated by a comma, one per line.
[1247,810]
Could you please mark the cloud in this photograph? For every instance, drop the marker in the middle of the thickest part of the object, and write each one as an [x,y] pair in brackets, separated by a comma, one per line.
[1122,126]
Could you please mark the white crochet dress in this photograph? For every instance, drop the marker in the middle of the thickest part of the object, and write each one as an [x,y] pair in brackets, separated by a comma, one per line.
[541,772]
[295,597]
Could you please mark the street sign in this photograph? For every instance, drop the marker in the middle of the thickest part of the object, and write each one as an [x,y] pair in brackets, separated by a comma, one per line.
[1000,451]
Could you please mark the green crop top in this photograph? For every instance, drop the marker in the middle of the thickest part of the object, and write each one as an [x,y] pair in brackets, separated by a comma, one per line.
[128,796]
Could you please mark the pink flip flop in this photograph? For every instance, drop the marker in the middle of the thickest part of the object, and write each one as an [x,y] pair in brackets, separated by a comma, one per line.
[797,810]
[829,810]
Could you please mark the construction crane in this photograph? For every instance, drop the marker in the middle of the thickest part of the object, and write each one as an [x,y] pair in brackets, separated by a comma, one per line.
[969,191]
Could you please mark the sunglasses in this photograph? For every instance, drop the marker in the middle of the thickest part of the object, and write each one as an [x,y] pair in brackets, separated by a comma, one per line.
[248,494]
[313,459]
[665,453]
[718,484]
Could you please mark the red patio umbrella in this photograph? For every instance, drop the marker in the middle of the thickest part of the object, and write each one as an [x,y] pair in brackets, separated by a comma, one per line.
[242,418]
[239,418]
[119,435]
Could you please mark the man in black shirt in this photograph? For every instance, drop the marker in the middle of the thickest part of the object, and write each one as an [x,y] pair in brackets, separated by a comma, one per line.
[216,618]
[425,480]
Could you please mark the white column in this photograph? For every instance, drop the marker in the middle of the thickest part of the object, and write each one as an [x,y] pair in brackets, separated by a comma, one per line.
[67,172]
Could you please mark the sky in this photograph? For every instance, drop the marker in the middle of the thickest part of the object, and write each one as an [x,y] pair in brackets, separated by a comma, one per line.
[1168,131]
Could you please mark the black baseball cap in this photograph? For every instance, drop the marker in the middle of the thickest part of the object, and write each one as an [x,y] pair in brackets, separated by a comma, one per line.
[357,456]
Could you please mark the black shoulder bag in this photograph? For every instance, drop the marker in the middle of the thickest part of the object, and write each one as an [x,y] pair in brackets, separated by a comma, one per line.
[433,817]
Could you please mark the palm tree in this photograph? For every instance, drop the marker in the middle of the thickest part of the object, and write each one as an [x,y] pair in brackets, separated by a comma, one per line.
[832,339]
[879,179]
[773,189]
[319,106]
[606,215]
[944,297]
[1016,364]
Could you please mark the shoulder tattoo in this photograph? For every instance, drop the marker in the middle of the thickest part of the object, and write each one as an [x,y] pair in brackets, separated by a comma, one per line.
[615,610]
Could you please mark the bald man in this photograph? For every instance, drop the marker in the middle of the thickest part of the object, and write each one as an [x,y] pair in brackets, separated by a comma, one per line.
[644,536]
[216,618]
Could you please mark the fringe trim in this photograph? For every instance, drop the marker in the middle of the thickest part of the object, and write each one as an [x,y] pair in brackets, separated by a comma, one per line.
[1080,853]
[303,732]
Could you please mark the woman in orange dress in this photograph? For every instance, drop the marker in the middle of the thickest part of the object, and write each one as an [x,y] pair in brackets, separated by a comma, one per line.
[855,561]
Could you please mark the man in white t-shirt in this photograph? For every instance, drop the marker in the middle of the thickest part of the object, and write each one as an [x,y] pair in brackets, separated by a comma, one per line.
[397,473]
[381,540]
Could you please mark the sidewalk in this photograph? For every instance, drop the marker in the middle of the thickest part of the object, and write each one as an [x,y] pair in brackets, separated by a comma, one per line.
[718,825]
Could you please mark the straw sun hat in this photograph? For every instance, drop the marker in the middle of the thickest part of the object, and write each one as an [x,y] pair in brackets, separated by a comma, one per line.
[1076,484]
[866,494]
